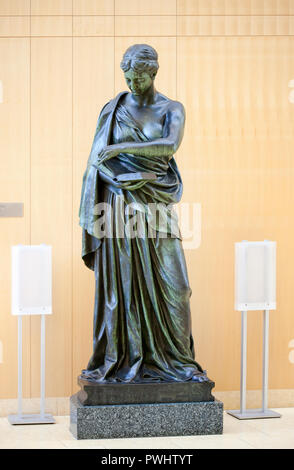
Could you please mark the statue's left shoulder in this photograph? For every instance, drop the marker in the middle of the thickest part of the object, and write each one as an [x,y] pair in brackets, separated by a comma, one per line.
[177,106]
[176,112]
[172,106]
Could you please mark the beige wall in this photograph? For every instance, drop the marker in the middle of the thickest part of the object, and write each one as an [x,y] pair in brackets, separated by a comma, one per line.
[230,63]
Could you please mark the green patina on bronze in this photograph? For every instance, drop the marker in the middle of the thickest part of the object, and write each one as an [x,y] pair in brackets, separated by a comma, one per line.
[142,321]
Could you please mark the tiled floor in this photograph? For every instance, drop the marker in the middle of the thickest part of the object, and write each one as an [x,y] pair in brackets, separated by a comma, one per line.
[277,433]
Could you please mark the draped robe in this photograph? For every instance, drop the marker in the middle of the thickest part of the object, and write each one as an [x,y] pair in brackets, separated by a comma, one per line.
[142,321]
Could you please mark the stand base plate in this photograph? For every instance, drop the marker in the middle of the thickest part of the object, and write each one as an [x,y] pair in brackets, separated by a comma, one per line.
[253,414]
[31,419]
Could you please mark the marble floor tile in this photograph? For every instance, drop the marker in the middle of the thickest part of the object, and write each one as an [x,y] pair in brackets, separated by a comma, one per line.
[214,442]
[277,433]
[234,426]
[273,426]
[30,444]
[262,441]
[83,444]
[143,443]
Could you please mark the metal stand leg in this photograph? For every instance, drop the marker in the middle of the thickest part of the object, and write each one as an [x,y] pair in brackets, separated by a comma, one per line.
[42,404]
[19,394]
[41,418]
[265,359]
[264,412]
[243,362]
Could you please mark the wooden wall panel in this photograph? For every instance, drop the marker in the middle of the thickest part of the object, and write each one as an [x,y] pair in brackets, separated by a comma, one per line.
[51,201]
[14,7]
[93,7]
[141,7]
[14,187]
[51,7]
[236,162]
[51,26]
[93,25]
[235,25]
[14,26]
[231,63]
[235,7]
[93,87]
[145,26]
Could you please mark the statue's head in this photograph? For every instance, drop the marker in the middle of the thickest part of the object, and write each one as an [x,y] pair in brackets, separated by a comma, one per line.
[140,65]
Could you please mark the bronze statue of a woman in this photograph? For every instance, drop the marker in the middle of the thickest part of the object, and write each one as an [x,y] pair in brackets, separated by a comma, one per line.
[142,322]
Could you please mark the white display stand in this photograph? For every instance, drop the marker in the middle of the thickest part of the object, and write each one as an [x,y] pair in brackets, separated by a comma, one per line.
[255,289]
[31,295]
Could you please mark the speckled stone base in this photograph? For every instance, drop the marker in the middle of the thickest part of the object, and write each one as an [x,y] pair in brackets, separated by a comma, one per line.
[145,420]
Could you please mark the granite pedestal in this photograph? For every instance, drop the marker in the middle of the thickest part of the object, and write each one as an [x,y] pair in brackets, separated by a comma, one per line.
[107,411]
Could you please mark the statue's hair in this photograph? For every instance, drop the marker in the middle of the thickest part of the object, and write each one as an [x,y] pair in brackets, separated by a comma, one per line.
[140,58]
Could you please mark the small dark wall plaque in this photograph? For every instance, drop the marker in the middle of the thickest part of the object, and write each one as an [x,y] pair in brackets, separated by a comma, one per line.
[11,209]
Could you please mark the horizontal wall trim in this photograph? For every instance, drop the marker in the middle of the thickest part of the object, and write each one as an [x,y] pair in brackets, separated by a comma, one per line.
[156,36]
[164,26]
[149,14]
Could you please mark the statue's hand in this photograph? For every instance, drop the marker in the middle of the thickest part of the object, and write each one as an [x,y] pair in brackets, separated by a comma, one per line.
[108,152]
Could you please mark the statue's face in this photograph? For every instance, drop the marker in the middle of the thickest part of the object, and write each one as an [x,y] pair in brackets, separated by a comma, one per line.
[138,82]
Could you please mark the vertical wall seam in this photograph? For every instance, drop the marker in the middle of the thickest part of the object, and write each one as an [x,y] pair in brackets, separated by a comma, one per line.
[72,197]
[177,49]
[30,192]
[114,43]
